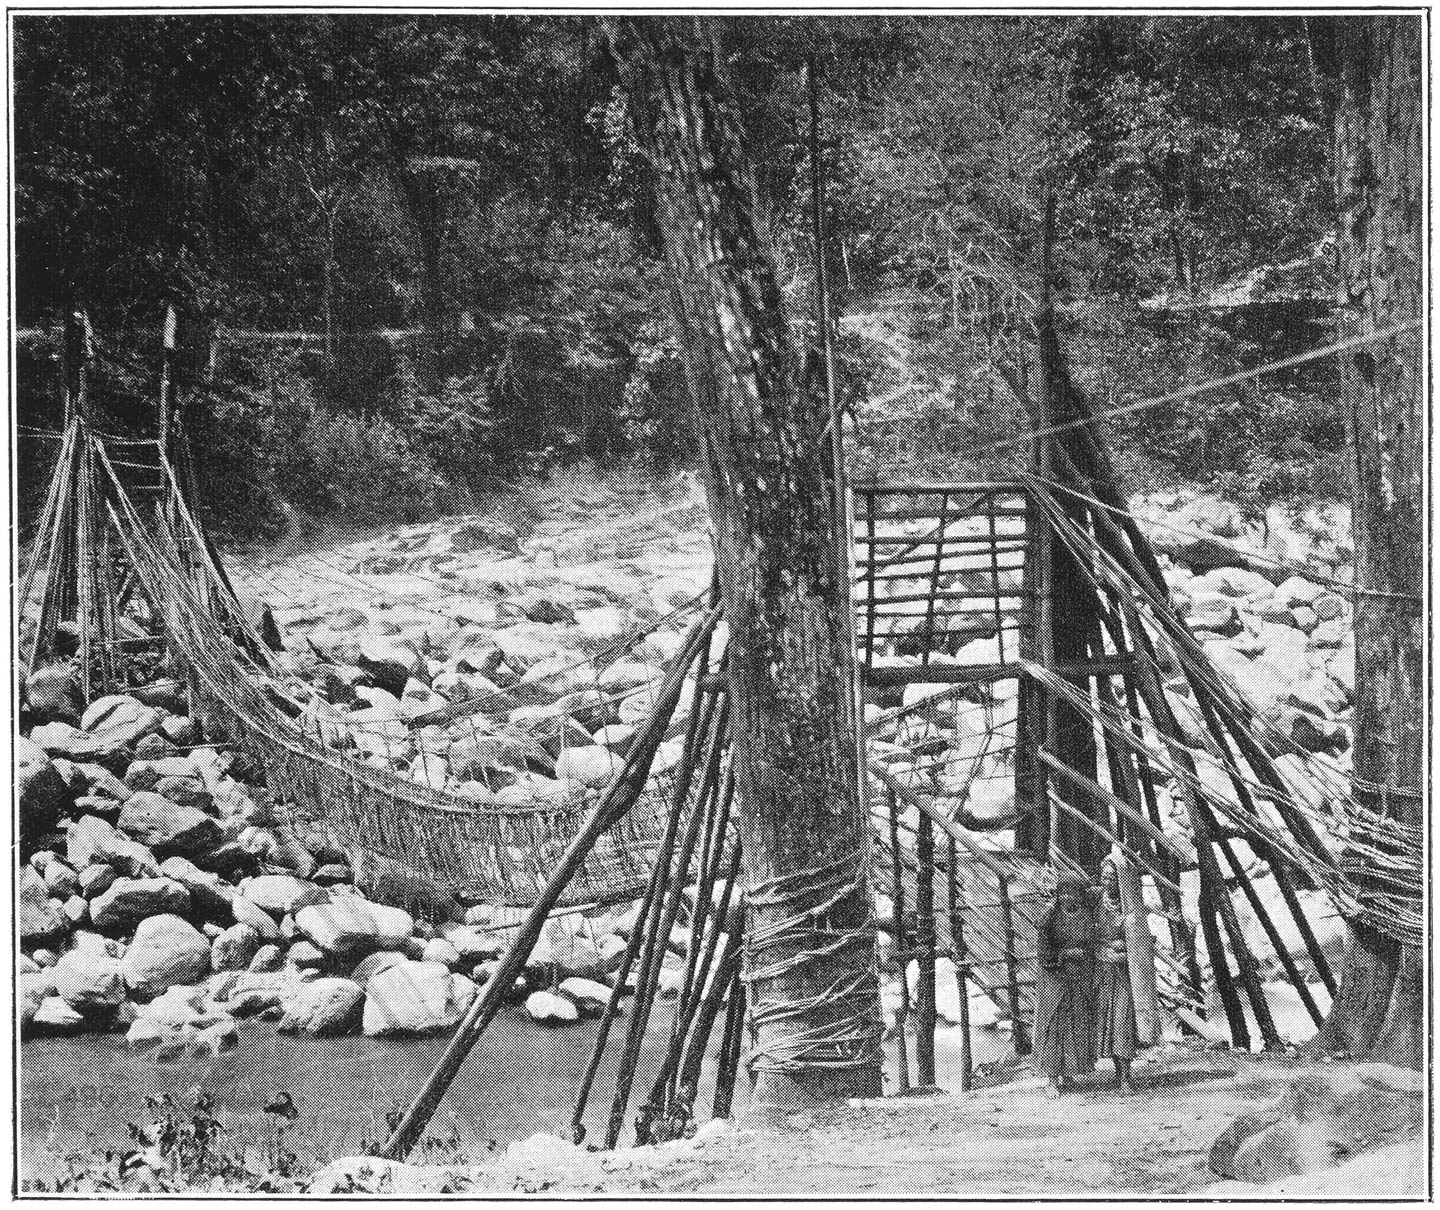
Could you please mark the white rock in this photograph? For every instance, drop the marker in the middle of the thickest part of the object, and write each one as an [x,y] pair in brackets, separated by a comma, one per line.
[589,995]
[440,950]
[282,894]
[322,1007]
[88,980]
[547,1008]
[416,997]
[165,951]
[348,925]
[593,766]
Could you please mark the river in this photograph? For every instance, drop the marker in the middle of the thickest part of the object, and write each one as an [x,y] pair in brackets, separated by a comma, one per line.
[78,1094]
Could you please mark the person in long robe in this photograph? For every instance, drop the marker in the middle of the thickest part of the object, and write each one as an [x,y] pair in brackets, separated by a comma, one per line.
[1064,1035]
[1115,1032]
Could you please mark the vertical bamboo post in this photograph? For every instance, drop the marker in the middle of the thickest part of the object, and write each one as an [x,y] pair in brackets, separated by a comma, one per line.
[1012,968]
[925,945]
[960,956]
[929,630]
[899,952]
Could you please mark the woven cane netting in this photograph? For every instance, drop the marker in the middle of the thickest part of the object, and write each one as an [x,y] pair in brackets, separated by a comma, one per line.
[499,853]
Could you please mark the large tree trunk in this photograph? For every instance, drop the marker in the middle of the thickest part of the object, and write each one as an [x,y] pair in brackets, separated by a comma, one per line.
[810,943]
[1380,191]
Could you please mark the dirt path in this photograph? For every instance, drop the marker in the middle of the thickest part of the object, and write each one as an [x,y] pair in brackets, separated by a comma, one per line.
[1007,1140]
[1001,1141]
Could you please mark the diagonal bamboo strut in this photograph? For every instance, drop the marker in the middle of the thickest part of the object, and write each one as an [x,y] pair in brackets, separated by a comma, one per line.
[617,800]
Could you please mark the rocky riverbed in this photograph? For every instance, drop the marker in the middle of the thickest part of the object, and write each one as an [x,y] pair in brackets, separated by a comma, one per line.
[165,897]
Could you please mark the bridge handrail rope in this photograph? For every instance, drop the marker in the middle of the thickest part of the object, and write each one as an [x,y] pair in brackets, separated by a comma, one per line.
[1176,396]
[1341,587]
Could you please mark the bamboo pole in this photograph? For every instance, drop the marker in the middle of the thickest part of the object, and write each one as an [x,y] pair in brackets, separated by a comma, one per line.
[925,945]
[960,956]
[617,800]
[656,943]
[1018,1032]
[898,949]
[731,1039]
[1271,932]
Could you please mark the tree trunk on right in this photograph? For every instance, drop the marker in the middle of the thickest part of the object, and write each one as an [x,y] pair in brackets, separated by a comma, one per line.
[1380,190]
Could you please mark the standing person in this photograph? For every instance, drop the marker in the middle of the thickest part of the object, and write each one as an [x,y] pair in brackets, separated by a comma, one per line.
[1115,1032]
[1064,1041]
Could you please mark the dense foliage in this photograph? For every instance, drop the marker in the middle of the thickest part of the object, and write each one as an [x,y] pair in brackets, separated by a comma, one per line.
[453,210]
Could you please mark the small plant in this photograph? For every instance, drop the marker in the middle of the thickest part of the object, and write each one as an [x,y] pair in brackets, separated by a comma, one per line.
[183,1147]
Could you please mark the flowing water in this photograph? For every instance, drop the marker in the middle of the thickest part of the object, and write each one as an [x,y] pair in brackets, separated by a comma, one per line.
[78,1094]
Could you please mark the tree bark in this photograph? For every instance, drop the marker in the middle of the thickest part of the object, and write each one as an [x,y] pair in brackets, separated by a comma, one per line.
[1380,191]
[810,945]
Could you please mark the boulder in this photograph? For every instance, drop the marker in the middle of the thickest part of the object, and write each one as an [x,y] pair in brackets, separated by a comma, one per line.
[92,841]
[276,850]
[1317,694]
[247,912]
[282,894]
[439,950]
[257,992]
[60,879]
[335,874]
[145,1034]
[235,948]
[164,952]
[31,990]
[40,918]
[1215,613]
[351,925]
[1325,1114]
[268,958]
[210,897]
[182,1011]
[1296,591]
[1341,667]
[590,996]
[1258,681]
[547,1008]
[93,942]
[565,950]
[130,900]
[180,730]
[120,719]
[187,791]
[89,980]
[304,956]
[592,766]
[63,740]
[76,909]
[322,1007]
[164,694]
[415,997]
[40,793]
[55,1016]
[155,747]
[167,826]
[97,780]
[1329,607]
[147,773]
[52,694]
[372,964]
[473,944]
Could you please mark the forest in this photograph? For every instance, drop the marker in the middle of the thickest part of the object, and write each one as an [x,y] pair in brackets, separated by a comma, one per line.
[414,259]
